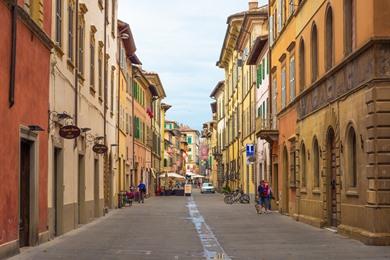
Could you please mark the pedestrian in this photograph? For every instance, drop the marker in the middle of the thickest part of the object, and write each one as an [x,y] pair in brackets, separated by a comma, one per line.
[262,195]
[268,197]
[142,192]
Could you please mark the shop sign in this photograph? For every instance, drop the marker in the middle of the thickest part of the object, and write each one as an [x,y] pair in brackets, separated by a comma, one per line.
[100,148]
[69,132]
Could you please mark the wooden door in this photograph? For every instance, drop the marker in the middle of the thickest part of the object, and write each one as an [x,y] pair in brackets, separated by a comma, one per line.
[24,204]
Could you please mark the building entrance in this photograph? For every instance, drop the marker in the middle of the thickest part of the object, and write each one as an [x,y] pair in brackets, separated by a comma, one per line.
[24,196]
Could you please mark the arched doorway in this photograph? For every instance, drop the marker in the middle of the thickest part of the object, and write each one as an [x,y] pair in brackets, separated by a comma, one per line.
[285,191]
[331,179]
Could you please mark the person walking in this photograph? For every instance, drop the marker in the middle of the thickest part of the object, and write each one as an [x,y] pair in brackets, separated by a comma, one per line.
[262,196]
[142,192]
[268,197]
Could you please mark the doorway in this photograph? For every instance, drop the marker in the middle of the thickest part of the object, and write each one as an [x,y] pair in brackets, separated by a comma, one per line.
[25,191]
[81,189]
[331,179]
[275,181]
[285,191]
[96,190]
[57,191]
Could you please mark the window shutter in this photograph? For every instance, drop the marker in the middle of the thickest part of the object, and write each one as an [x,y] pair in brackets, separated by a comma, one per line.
[280,15]
[263,69]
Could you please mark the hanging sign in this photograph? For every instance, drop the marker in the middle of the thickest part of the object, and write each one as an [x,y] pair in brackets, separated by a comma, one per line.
[100,148]
[69,132]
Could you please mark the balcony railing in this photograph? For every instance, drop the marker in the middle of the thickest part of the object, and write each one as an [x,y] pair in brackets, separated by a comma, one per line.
[267,128]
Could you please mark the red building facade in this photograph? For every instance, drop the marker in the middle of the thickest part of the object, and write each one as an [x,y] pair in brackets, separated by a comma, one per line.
[24,94]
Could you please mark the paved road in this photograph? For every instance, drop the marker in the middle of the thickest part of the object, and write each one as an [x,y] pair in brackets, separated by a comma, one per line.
[200,227]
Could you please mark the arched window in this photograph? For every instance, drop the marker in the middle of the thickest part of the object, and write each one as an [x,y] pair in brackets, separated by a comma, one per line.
[349,25]
[316,163]
[301,65]
[329,39]
[314,53]
[351,157]
[303,165]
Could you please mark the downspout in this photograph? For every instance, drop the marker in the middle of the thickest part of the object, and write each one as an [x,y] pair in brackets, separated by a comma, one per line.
[105,73]
[76,74]
[117,128]
[133,123]
[14,13]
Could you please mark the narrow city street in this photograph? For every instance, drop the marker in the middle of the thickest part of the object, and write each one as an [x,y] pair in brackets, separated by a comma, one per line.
[200,227]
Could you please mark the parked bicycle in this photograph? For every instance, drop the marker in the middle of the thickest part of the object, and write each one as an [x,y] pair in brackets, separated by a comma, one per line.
[237,196]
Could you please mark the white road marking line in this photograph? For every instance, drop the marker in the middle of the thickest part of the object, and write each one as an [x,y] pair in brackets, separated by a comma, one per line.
[212,249]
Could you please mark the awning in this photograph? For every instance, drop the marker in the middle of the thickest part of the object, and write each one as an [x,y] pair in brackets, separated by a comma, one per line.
[171,175]
[198,176]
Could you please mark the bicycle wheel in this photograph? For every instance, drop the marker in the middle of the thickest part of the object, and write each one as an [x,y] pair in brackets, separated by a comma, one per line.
[228,200]
[245,199]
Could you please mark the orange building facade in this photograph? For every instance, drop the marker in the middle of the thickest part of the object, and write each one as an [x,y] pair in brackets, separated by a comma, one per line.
[331,78]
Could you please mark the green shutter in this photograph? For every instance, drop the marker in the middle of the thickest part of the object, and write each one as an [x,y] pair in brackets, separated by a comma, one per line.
[264,69]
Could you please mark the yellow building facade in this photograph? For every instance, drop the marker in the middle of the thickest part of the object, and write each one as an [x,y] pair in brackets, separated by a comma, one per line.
[253,26]
[332,140]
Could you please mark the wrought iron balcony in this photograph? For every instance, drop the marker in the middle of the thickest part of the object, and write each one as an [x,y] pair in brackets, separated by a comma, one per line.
[267,129]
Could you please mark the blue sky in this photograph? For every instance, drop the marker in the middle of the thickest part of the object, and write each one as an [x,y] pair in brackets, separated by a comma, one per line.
[181,41]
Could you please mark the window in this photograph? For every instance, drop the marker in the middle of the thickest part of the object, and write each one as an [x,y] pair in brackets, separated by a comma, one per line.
[291,7]
[314,53]
[92,58]
[302,65]
[100,69]
[283,87]
[351,158]
[127,122]
[274,96]
[59,22]
[113,19]
[316,163]
[349,25]
[70,31]
[271,30]
[303,165]
[189,139]
[329,39]
[280,15]
[81,46]
[263,67]
[259,76]
[292,78]
[112,90]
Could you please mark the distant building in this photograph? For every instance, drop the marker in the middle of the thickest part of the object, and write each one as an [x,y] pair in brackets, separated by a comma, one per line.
[193,148]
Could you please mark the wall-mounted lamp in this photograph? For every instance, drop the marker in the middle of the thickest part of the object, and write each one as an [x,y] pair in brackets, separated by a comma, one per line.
[85,129]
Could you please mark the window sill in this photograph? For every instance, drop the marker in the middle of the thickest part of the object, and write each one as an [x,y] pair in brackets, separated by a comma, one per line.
[303,190]
[316,191]
[92,90]
[59,51]
[70,64]
[81,78]
[352,193]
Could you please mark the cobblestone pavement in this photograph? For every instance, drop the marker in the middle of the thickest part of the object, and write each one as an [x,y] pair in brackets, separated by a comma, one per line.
[200,227]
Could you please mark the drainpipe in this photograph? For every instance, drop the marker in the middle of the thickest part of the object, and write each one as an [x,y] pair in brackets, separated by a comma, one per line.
[133,118]
[76,71]
[105,73]
[14,13]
